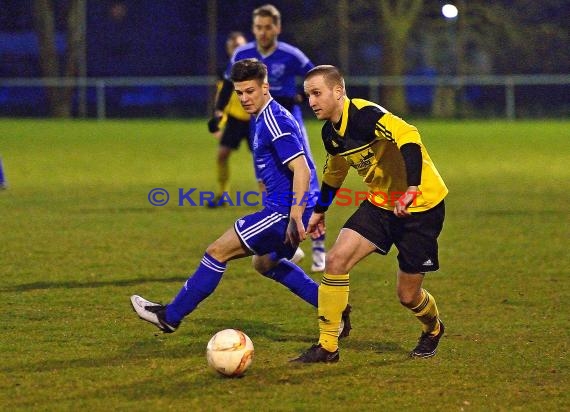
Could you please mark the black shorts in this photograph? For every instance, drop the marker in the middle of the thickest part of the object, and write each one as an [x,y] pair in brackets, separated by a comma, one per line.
[234,132]
[415,236]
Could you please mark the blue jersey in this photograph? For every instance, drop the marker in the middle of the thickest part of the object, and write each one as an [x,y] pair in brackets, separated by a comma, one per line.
[284,65]
[278,140]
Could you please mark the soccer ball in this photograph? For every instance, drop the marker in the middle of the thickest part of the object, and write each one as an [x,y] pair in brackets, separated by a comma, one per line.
[230,352]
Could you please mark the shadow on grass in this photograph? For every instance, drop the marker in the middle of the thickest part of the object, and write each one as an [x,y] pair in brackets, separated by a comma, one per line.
[90,284]
[189,341]
[373,346]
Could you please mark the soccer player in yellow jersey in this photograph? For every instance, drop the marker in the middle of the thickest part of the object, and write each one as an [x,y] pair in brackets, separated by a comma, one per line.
[404,207]
[230,126]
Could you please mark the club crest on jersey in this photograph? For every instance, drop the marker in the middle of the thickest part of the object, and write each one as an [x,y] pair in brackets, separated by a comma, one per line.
[364,162]
[277,69]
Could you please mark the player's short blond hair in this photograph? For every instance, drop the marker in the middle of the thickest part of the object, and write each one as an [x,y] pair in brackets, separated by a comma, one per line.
[331,75]
[268,10]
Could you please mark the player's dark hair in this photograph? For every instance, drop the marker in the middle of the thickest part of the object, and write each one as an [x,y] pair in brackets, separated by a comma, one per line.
[331,75]
[268,10]
[248,69]
[234,35]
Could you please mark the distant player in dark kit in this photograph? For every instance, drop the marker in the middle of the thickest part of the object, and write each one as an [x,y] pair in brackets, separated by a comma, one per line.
[230,125]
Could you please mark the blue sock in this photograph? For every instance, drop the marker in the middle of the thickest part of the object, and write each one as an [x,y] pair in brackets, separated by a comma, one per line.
[318,244]
[2,178]
[320,238]
[296,280]
[197,288]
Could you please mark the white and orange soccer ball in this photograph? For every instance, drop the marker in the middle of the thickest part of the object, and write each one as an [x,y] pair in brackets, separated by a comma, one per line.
[230,352]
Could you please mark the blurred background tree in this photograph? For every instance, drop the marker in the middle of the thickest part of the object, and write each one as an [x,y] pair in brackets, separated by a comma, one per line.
[44,22]
[397,19]
[362,37]
[389,37]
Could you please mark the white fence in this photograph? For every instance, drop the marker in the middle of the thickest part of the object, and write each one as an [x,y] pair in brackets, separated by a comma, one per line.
[373,83]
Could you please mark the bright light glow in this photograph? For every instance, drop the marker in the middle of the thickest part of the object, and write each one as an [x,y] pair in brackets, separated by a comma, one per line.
[449,11]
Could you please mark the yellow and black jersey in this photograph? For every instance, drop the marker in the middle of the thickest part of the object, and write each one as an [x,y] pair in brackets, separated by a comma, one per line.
[368,138]
[233,108]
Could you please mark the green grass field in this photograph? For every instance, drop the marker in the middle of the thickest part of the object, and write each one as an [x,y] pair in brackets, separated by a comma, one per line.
[78,237]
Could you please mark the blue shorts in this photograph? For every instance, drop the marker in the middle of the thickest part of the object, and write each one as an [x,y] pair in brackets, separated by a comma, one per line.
[263,232]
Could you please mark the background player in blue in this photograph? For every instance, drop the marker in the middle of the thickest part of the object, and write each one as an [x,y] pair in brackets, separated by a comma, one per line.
[284,64]
[273,233]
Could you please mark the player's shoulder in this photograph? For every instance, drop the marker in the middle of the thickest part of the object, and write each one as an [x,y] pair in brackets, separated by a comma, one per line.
[292,50]
[288,47]
[278,119]
[364,114]
[366,108]
[367,105]
[279,112]
[245,51]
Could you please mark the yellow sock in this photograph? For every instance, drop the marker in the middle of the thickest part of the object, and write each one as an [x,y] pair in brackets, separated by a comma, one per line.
[333,298]
[223,176]
[427,313]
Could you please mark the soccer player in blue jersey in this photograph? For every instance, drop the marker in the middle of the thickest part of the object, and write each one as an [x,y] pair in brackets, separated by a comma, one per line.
[272,234]
[284,64]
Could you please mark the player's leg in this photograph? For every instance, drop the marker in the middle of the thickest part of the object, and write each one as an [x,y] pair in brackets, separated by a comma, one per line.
[223,169]
[365,232]
[277,265]
[318,248]
[265,235]
[416,241]
[349,248]
[230,141]
[423,305]
[288,274]
[297,281]
[208,274]
[418,300]
[358,239]
[298,256]
[3,184]
[198,286]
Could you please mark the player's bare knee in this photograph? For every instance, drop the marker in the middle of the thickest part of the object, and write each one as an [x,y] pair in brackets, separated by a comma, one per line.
[335,262]
[223,157]
[408,298]
[262,265]
[215,250]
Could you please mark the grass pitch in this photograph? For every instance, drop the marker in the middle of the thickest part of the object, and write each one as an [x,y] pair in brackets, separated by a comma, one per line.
[79,236]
